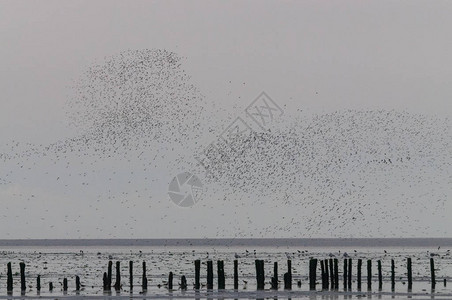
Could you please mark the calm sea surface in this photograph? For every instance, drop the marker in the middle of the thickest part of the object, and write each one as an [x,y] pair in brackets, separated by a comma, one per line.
[55,260]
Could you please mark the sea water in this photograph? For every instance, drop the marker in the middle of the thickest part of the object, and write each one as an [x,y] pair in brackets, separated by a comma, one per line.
[55,262]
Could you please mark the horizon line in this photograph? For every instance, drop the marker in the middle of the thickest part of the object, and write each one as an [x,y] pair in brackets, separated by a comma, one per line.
[305,242]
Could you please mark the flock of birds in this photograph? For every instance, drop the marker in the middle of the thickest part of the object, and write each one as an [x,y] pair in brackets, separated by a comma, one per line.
[140,119]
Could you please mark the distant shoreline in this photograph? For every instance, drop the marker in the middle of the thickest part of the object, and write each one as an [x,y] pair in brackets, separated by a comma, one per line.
[226,242]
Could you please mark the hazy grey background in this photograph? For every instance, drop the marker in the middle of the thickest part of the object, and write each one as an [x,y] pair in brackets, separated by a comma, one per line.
[316,56]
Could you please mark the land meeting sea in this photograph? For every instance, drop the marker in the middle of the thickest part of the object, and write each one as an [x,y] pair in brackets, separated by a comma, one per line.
[54,260]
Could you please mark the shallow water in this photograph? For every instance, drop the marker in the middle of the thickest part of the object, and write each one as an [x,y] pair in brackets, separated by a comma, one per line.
[55,263]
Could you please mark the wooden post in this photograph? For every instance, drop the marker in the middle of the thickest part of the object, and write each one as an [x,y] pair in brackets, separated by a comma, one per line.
[131,275]
[345,274]
[392,275]
[349,274]
[170,281]
[322,272]
[432,272]
[236,274]
[209,275]
[183,283]
[358,275]
[23,286]
[38,283]
[312,273]
[289,271]
[77,283]
[64,284]
[105,281]
[118,277]
[220,273]
[260,276]
[197,273]
[327,283]
[380,276]
[9,281]
[109,274]
[286,281]
[331,273]
[50,286]
[274,281]
[336,274]
[410,274]
[369,274]
[144,280]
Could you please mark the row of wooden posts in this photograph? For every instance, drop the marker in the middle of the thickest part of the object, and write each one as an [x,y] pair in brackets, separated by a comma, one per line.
[329,275]
[23,287]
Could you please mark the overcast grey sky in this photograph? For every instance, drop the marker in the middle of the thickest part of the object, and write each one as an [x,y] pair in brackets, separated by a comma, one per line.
[317,56]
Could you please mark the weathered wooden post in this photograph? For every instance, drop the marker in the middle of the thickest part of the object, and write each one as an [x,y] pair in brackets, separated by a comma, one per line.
[9,281]
[322,272]
[312,273]
[131,275]
[209,275]
[289,271]
[336,274]
[327,274]
[345,274]
[260,276]
[109,274]
[183,283]
[331,273]
[392,275]
[236,274]
[118,277]
[170,281]
[64,284]
[50,286]
[327,283]
[144,280]
[432,272]
[23,286]
[220,272]
[38,283]
[105,281]
[197,273]
[380,276]
[358,274]
[349,274]
[77,283]
[369,274]
[286,281]
[410,274]
[274,279]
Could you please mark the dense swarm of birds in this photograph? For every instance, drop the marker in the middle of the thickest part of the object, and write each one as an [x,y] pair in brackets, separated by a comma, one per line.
[343,167]
[138,93]
[139,116]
